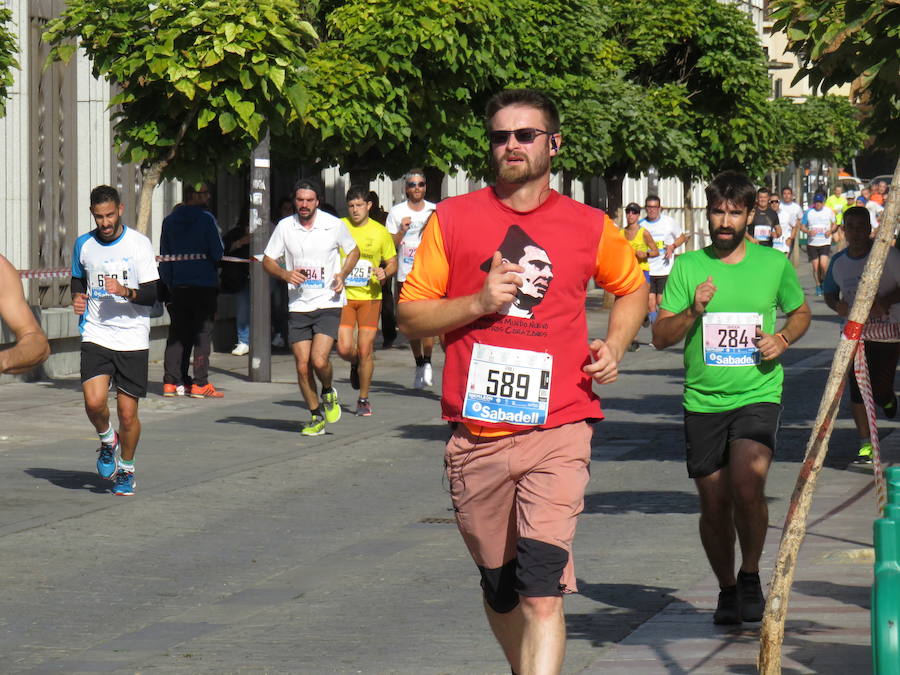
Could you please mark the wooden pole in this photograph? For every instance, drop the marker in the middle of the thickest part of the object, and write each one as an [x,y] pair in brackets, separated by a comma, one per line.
[771,633]
[260,362]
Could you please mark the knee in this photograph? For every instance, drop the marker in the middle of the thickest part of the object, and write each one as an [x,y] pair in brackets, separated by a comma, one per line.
[749,495]
[303,368]
[366,350]
[320,362]
[345,351]
[540,608]
[128,419]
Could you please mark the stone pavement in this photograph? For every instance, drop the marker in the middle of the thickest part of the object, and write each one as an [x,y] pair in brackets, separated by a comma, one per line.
[827,630]
[220,593]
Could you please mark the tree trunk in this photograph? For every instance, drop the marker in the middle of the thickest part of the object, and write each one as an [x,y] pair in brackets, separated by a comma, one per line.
[149,180]
[567,183]
[434,181]
[687,198]
[772,630]
[615,180]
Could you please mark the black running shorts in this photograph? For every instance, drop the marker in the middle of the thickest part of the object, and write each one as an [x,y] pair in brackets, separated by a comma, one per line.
[304,325]
[126,370]
[658,284]
[708,435]
[815,252]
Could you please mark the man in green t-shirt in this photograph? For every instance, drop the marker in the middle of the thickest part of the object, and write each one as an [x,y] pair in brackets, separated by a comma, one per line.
[722,300]
[363,287]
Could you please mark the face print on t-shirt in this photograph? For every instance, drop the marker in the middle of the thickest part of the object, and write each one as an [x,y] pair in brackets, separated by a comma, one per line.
[520,249]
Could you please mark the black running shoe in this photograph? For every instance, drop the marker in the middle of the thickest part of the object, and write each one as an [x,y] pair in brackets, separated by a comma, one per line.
[354,375]
[751,599]
[728,612]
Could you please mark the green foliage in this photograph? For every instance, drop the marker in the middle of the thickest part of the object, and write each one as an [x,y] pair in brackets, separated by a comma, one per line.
[822,127]
[850,41]
[198,83]
[8,51]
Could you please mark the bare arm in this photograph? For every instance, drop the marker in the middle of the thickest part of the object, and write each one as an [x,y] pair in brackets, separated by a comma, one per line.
[424,318]
[272,267]
[349,263]
[652,250]
[32,347]
[670,328]
[772,346]
[389,269]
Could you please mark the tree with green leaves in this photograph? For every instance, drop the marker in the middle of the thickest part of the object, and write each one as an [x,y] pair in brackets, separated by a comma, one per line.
[8,52]
[854,42]
[198,84]
[821,127]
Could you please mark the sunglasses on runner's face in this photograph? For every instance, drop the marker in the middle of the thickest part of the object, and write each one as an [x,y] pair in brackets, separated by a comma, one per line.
[501,136]
[774,201]
[412,184]
[632,210]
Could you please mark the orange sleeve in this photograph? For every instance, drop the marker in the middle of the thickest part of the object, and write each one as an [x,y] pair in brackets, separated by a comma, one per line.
[617,269]
[431,271]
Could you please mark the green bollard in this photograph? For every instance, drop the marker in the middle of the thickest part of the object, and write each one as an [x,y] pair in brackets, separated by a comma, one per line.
[885,614]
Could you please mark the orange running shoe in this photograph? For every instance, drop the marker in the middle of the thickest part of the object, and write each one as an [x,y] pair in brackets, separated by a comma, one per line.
[208,391]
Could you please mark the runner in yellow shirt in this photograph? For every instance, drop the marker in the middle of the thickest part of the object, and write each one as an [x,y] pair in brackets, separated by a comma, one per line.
[363,287]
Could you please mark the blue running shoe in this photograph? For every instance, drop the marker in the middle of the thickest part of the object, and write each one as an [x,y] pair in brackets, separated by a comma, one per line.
[124,483]
[106,460]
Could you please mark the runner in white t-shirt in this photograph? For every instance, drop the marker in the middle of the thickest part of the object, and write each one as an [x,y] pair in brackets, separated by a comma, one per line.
[406,222]
[668,236]
[789,215]
[819,223]
[114,279]
[310,241]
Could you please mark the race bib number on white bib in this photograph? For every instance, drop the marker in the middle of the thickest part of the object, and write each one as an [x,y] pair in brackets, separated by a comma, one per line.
[763,232]
[360,275]
[315,276]
[508,385]
[408,253]
[729,339]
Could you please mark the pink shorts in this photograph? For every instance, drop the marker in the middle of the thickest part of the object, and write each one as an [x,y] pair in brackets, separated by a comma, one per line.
[516,500]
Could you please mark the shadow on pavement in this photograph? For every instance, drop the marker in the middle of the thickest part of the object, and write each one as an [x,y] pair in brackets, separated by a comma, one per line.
[72,480]
[384,386]
[647,501]
[427,432]
[276,425]
[849,595]
[611,623]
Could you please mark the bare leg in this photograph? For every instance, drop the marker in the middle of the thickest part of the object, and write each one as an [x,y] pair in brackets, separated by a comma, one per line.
[544,636]
[366,355]
[717,524]
[96,392]
[305,381]
[321,359]
[508,629]
[129,424]
[747,468]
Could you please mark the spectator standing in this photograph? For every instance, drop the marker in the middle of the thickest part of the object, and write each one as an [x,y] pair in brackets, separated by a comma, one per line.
[235,279]
[193,289]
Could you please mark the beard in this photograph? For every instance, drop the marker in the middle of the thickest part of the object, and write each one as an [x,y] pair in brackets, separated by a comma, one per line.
[520,173]
[727,245]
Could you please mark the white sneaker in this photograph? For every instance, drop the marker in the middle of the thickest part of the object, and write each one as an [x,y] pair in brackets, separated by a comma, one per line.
[278,341]
[179,390]
[427,375]
[241,349]
[419,379]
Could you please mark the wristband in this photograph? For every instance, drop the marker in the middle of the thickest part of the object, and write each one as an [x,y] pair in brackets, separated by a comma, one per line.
[786,342]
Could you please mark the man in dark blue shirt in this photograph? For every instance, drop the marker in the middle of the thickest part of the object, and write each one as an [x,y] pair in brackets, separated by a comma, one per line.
[192,286]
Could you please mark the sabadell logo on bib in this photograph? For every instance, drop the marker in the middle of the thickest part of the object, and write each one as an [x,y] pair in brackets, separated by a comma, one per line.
[500,415]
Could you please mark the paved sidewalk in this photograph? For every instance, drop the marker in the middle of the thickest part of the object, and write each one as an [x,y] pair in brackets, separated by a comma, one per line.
[827,630]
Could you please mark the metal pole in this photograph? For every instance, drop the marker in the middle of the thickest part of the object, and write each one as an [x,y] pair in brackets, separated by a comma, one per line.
[260,368]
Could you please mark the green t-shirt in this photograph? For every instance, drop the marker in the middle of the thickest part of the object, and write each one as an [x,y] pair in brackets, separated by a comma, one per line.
[375,245]
[763,281]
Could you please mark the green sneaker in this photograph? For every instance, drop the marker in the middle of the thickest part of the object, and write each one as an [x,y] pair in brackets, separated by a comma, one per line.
[315,427]
[332,407]
[865,454]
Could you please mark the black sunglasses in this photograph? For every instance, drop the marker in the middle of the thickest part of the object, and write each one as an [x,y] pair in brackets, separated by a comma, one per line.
[421,183]
[501,137]
[632,210]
